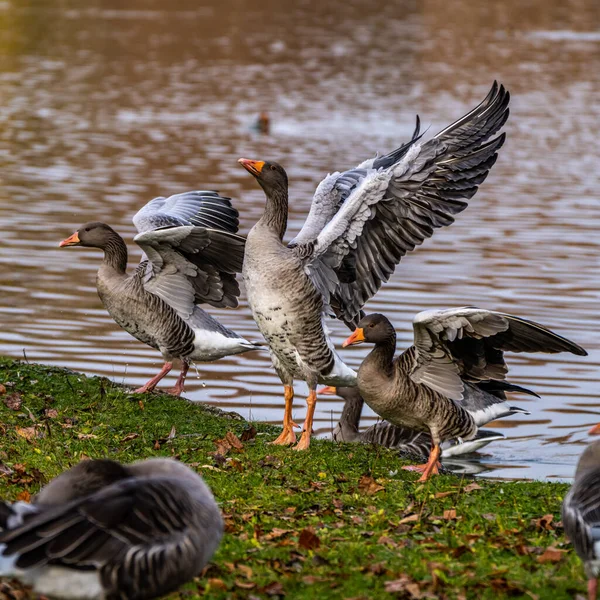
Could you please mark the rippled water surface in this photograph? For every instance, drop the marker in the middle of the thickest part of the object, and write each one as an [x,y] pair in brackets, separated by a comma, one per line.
[102,109]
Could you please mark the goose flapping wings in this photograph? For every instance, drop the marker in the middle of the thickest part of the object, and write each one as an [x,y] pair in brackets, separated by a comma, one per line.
[467,344]
[363,221]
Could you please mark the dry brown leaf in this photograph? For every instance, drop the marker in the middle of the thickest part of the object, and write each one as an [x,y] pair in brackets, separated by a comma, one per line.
[388,541]
[245,585]
[410,519]
[245,570]
[276,533]
[404,584]
[86,436]
[273,589]
[24,496]
[449,514]
[248,434]
[130,436]
[544,523]
[13,401]
[218,584]
[471,487]
[443,494]
[308,539]
[2,389]
[51,413]
[29,433]
[551,555]
[367,485]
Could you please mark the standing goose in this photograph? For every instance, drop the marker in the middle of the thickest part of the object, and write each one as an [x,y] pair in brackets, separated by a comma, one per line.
[191,256]
[106,531]
[405,439]
[441,384]
[361,223]
[581,513]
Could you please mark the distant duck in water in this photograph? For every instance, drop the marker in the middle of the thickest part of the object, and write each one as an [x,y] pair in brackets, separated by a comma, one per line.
[447,383]
[409,440]
[192,255]
[581,513]
[107,531]
[360,224]
[262,123]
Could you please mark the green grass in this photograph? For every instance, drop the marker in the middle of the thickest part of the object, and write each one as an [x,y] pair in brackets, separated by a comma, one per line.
[339,521]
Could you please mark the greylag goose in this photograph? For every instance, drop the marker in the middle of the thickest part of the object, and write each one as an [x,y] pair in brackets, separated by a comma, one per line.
[103,531]
[441,384]
[191,256]
[409,440]
[581,513]
[361,223]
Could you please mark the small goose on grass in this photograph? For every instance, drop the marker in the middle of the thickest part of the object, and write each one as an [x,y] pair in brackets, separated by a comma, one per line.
[107,531]
[581,513]
[409,440]
[191,257]
[360,224]
[455,350]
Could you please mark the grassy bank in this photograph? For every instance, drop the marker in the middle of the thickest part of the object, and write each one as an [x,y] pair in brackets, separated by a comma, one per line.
[340,521]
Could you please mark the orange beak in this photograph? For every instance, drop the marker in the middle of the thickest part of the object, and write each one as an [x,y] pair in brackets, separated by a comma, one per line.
[595,430]
[358,337]
[70,241]
[328,391]
[254,167]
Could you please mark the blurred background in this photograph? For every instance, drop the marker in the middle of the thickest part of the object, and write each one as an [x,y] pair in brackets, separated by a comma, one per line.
[105,105]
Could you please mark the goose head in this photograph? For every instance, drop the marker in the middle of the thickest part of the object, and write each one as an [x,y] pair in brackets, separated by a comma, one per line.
[375,329]
[270,175]
[92,235]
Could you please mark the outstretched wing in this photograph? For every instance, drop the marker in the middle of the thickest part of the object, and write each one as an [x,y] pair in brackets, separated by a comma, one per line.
[142,524]
[200,208]
[468,344]
[360,228]
[191,265]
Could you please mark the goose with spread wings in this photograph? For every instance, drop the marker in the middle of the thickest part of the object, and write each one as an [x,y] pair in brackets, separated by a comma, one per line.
[360,225]
[444,384]
[191,257]
[104,530]
[581,513]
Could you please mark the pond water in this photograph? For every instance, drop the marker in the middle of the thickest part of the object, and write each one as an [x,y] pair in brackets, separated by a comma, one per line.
[103,108]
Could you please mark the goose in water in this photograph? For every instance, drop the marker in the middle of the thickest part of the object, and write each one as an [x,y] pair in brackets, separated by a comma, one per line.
[361,223]
[581,513]
[442,383]
[191,256]
[107,531]
[405,439]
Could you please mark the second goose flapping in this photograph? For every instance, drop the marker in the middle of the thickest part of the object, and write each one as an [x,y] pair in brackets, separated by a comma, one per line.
[384,433]
[104,530]
[449,382]
[191,257]
[361,223]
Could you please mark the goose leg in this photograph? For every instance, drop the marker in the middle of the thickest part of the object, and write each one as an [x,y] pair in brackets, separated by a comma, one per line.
[592,589]
[179,385]
[150,385]
[287,436]
[430,467]
[311,402]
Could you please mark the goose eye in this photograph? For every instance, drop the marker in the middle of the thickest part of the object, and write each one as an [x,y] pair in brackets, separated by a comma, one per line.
[87,228]
[273,167]
[371,325]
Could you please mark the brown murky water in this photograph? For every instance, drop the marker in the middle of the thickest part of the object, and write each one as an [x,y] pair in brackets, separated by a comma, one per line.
[103,108]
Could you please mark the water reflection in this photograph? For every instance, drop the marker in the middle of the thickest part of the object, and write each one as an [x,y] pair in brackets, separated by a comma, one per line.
[103,108]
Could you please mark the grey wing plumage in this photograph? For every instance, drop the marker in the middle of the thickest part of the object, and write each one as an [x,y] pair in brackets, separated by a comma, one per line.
[192,265]
[137,533]
[467,344]
[396,202]
[581,515]
[201,208]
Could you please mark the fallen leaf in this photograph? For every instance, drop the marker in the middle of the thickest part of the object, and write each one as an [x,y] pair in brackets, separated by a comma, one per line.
[245,585]
[551,555]
[544,523]
[51,413]
[410,519]
[246,571]
[4,470]
[388,541]
[277,533]
[86,436]
[308,539]
[367,485]
[29,433]
[24,496]
[218,584]
[130,436]
[273,589]
[472,487]
[2,389]
[443,494]
[449,514]
[13,401]
[248,434]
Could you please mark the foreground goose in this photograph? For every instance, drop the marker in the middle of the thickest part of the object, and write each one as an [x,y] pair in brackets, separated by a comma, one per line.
[581,513]
[191,257]
[103,531]
[361,223]
[441,384]
[405,439]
